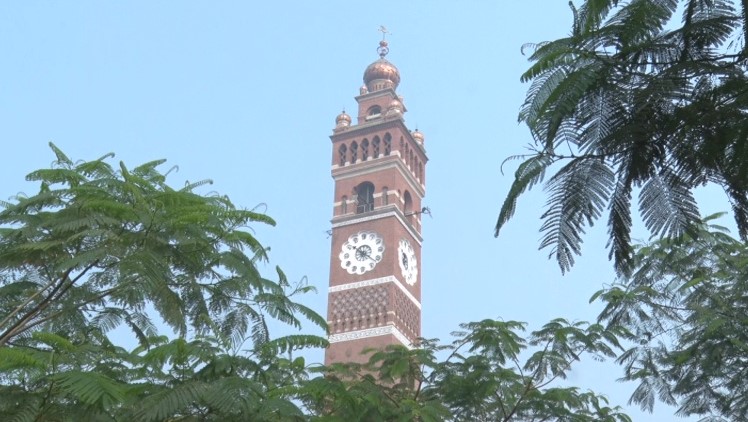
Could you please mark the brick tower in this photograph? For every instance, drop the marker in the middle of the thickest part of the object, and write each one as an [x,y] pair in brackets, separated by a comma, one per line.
[378,166]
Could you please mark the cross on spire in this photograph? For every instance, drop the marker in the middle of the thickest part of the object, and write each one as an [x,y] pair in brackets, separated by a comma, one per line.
[383,49]
[384,31]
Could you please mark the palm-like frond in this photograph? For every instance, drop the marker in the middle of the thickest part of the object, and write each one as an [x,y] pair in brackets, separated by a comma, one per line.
[91,388]
[290,343]
[578,194]
[529,173]
[661,105]
[667,205]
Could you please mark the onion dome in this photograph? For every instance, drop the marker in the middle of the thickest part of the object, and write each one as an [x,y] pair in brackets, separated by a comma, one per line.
[343,120]
[418,136]
[381,74]
[395,107]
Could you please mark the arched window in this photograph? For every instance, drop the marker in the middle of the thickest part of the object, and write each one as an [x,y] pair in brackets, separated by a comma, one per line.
[344,205]
[412,161]
[375,147]
[408,205]
[364,197]
[364,150]
[385,199]
[342,153]
[387,144]
[374,111]
[354,152]
[420,172]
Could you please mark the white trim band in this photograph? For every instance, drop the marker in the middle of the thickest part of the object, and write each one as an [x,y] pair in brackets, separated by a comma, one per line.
[413,233]
[374,282]
[374,165]
[371,332]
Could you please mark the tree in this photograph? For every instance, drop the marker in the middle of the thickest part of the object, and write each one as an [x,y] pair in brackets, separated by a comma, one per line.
[489,374]
[634,100]
[97,248]
[687,306]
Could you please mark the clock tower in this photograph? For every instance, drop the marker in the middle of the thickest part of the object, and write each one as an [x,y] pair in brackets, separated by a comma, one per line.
[378,167]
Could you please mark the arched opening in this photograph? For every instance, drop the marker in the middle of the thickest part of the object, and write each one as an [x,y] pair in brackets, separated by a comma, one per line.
[342,151]
[385,194]
[387,144]
[375,147]
[354,152]
[364,197]
[364,150]
[374,111]
[407,205]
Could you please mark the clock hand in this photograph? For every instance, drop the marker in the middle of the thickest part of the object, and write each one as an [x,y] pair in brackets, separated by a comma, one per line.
[364,251]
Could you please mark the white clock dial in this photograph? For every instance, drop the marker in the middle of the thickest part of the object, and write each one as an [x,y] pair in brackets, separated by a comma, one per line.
[361,252]
[408,262]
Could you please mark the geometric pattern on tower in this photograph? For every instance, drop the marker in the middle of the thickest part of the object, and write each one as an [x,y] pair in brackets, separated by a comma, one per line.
[359,309]
[407,316]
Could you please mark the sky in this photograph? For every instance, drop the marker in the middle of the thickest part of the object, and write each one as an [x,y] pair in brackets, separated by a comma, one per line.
[246,93]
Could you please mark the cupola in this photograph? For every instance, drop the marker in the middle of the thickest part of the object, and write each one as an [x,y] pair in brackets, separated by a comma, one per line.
[381,74]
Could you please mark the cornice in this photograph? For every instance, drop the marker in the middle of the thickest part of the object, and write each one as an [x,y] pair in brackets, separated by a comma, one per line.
[375,94]
[376,216]
[371,332]
[373,165]
[384,122]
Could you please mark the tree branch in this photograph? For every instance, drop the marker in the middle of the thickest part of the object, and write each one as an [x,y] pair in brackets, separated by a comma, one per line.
[63,286]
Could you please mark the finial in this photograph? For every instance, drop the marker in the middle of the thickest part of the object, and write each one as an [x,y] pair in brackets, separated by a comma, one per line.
[383,49]
[384,31]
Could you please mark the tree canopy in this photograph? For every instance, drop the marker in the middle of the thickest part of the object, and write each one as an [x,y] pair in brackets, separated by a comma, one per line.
[100,248]
[491,371]
[636,98]
[649,97]
[686,305]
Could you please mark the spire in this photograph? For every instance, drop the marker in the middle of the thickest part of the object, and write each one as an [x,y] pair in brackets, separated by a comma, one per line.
[383,49]
[381,74]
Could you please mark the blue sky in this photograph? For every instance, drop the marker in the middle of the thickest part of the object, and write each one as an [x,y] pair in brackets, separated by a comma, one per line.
[246,94]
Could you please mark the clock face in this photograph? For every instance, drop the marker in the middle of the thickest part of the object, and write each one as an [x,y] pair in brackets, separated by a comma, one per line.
[408,263]
[361,252]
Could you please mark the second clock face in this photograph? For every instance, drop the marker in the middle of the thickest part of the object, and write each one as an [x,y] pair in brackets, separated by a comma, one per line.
[408,263]
[361,252]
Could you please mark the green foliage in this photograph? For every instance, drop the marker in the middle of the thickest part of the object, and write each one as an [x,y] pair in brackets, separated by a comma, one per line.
[490,373]
[634,99]
[687,306]
[199,381]
[101,247]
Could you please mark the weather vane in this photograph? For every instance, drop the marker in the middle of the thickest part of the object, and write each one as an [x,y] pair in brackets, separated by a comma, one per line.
[383,49]
[384,31]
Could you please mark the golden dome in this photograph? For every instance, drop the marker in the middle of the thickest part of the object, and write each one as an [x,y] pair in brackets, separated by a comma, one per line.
[418,136]
[381,74]
[343,119]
